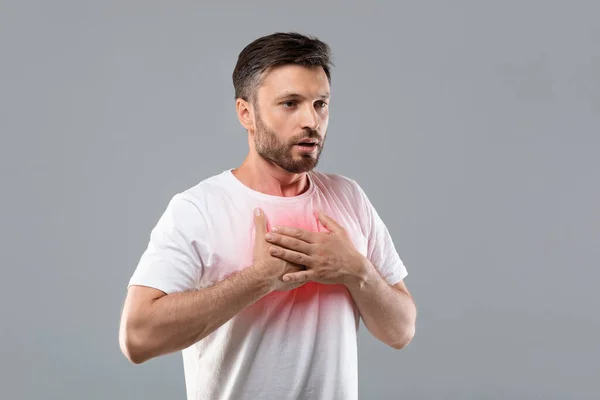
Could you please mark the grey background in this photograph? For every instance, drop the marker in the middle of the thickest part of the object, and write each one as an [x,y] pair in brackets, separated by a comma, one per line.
[472,125]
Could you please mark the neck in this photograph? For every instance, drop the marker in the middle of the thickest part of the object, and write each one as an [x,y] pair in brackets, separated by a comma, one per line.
[266,177]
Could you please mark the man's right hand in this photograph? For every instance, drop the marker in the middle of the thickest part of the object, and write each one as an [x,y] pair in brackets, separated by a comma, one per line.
[272,268]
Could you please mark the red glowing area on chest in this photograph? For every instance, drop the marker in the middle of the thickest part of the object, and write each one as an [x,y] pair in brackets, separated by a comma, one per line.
[296,305]
[307,221]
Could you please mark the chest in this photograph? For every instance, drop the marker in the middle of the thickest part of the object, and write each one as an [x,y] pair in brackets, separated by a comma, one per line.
[231,237]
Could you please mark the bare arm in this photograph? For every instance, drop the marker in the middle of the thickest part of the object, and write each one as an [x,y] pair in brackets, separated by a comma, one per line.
[388,312]
[154,324]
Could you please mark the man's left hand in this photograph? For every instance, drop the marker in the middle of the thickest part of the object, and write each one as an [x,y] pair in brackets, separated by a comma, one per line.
[329,257]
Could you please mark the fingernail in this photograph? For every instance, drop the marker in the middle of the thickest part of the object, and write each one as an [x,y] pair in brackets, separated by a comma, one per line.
[257,212]
[286,278]
[268,236]
[274,229]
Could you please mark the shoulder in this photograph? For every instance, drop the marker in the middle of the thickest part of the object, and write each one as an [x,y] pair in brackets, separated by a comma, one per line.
[337,183]
[200,197]
[215,186]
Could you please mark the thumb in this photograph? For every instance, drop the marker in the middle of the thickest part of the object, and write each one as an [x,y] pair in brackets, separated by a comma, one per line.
[329,222]
[260,225]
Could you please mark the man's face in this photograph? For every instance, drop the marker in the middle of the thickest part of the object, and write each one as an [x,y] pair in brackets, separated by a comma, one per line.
[292,106]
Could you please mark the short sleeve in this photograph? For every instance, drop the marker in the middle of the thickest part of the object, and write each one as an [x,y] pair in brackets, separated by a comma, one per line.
[381,250]
[171,261]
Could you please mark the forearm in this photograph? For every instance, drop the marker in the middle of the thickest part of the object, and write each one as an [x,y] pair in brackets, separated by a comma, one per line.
[176,321]
[389,314]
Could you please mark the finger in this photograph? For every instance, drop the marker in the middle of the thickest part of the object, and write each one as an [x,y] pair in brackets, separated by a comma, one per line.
[291,256]
[301,276]
[289,243]
[260,225]
[297,233]
[329,222]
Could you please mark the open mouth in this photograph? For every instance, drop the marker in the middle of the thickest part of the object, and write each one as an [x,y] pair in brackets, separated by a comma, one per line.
[307,144]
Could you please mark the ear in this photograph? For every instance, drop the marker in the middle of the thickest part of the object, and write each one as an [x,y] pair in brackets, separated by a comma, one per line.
[245,114]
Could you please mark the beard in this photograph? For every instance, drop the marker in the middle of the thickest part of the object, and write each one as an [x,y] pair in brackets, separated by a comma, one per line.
[271,148]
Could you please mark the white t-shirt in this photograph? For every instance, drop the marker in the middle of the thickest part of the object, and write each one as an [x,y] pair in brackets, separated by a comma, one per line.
[298,344]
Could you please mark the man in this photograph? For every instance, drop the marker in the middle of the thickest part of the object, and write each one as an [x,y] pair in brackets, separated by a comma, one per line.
[259,274]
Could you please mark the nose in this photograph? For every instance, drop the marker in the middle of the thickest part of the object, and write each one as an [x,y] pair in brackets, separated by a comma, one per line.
[310,119]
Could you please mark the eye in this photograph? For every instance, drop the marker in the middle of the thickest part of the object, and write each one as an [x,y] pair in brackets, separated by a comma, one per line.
[289,103]
[321,104]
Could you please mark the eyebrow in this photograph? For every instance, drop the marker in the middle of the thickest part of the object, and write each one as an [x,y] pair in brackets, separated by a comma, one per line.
[286,95]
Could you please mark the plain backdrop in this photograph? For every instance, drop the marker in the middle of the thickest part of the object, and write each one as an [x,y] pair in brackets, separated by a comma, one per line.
[473,126]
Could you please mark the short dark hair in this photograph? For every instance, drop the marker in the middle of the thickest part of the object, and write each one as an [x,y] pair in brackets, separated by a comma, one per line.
[274,50]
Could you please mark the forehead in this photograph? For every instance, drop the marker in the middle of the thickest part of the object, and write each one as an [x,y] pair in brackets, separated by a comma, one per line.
[306,81]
